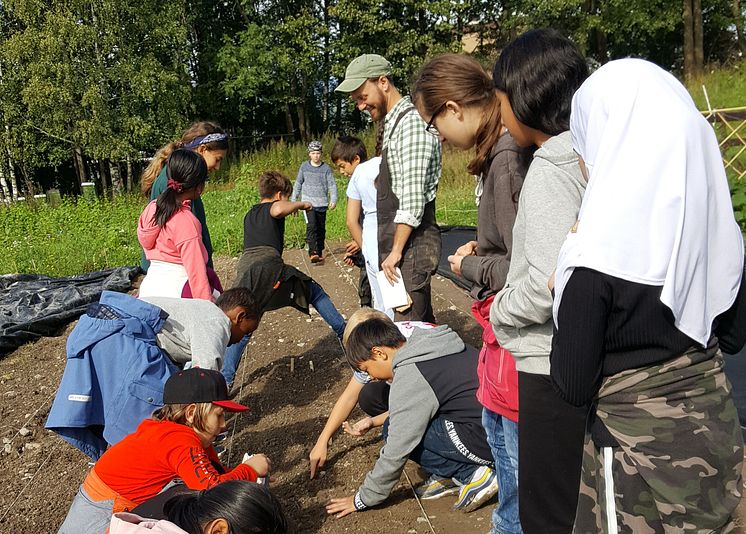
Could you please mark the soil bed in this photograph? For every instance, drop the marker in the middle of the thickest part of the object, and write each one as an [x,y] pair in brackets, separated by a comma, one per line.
[41,473]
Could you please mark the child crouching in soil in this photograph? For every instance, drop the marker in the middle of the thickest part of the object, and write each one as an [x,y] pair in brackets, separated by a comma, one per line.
[175,443]
[434,417]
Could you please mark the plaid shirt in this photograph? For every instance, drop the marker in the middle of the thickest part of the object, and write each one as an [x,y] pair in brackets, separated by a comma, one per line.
[413,158]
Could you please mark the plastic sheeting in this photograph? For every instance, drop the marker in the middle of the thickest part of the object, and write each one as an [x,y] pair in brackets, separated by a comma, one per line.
[32,306]
[453,237]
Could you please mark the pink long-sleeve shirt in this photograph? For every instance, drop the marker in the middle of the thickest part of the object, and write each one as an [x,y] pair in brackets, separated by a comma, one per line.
[178,241]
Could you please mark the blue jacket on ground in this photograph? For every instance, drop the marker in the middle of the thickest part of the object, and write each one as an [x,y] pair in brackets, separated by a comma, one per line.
[114,375]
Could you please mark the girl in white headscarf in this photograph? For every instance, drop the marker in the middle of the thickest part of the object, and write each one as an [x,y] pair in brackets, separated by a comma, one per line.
[646,280]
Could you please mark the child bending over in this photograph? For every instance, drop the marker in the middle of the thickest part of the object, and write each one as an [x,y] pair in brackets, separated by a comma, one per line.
[362,390]
[175,443]
[262,270]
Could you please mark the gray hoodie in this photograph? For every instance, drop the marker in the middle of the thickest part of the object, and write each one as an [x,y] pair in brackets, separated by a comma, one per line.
[196,331]
[521,314]
[435,375]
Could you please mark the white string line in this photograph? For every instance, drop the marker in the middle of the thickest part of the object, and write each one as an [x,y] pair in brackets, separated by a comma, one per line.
[424,513]
[43,405]
[27,485]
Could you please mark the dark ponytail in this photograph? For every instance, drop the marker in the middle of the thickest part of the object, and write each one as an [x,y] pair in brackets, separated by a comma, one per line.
[247,507]
[185,170]
[379,138]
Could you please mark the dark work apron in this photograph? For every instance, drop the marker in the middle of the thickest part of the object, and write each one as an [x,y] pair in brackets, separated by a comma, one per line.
[421,253]
[387,204]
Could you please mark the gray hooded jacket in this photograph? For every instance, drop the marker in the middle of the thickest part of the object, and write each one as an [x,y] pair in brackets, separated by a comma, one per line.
[521,314]
[434,375]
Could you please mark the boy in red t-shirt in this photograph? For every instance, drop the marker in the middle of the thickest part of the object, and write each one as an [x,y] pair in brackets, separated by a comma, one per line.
[175,443]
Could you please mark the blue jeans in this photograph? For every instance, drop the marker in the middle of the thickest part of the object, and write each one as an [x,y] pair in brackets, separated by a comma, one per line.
[86,515]
[502,437]
[232,359]
[437,454]
[319,300]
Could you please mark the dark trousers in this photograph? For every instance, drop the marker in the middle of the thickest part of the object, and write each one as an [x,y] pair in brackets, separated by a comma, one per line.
[550,455]
[374,398]
[418,265]
[363,289]
[436,453]
[316,230]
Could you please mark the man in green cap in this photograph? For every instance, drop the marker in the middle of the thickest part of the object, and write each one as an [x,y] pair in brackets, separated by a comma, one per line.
[406,185]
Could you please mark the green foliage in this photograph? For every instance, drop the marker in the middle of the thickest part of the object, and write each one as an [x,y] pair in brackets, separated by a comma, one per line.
[726,87]
[81,236]
[738,195]
[74,238]
[108,76]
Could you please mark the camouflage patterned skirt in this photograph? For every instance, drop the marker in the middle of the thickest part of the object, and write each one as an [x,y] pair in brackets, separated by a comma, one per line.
[678,464]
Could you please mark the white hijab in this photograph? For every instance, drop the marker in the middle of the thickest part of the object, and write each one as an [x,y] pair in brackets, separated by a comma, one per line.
[657,209]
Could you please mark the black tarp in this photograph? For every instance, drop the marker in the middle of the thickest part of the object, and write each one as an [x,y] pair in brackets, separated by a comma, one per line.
[453,237]
[32,306]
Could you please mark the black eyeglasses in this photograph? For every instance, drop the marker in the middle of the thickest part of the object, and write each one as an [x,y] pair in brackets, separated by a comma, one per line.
[430,128]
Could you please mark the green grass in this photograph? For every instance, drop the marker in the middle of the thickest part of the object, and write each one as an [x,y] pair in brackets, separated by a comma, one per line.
[81,235]
[726,87]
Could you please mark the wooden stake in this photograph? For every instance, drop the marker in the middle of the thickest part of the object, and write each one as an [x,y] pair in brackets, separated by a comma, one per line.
[292,365]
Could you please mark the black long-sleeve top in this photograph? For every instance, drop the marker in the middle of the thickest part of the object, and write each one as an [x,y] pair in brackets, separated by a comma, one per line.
[607,325]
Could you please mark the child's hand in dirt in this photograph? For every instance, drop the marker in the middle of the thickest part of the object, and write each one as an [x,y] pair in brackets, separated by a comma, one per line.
[259,463]
[341,507]
[318,457]
[359,428]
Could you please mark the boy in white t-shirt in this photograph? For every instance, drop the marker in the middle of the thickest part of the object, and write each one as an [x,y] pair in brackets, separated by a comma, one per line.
[351,158]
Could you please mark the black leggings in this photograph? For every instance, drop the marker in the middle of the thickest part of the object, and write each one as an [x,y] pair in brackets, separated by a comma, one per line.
[316,230]
[374,398]
[550,455]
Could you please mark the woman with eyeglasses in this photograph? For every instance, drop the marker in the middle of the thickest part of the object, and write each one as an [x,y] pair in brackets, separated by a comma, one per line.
[457,97]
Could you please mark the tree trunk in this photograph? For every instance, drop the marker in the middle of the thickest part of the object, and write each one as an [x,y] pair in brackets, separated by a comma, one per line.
[699,48]
[105,181]
[4,185]
[130,177]
[79,164]
[116,178]
[688,40]
[338,119]
[327,70]
[300,109]
[289,120]
[738,23]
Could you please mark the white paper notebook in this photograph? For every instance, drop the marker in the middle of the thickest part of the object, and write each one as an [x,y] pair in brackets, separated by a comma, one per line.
[392,296]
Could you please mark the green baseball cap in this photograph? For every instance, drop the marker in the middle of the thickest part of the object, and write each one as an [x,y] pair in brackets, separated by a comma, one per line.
[360,69]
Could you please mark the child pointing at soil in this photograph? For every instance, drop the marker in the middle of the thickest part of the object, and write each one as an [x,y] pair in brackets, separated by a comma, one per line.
[434,417]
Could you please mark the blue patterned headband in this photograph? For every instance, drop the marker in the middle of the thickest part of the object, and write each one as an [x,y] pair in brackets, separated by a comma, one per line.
[204,139]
